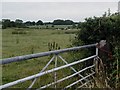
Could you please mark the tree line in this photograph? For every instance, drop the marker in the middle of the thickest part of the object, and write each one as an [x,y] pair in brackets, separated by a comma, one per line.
[20,24]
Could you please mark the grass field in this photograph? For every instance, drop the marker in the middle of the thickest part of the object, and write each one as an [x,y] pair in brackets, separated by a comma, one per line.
[32,41]
[52,26]
[21,44]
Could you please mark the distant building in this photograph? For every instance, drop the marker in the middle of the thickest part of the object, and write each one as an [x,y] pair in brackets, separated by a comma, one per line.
[119,7]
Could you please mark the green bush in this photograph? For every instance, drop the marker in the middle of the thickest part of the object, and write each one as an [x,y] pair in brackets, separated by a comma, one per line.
[98,28]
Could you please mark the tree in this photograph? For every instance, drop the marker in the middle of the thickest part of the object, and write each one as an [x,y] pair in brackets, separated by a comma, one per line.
[39,22]
[68,22]
[5,23]
[33,23]
[28,23]
[19,23]
[63,22]
[58,22]
[12,24]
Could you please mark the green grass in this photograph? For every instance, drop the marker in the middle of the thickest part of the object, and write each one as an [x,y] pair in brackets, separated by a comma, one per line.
[34,40]
[14,44]
[50,26]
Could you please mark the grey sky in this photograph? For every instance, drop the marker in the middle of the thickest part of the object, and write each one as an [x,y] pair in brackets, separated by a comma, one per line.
[49,11]
[60,0]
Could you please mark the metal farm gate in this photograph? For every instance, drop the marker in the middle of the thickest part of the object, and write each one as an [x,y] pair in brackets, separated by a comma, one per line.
[84,80]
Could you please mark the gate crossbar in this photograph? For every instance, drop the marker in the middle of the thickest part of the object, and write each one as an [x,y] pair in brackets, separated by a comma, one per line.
[31,56]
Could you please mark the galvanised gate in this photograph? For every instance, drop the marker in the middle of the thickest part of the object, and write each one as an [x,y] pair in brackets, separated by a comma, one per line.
[84,80]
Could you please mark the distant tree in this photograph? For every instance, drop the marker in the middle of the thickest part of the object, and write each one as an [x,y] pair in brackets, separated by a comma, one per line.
[33,23]
[39,22]
[19,23]
[62,22]
[5,23]
[68,22]
[8,23]
[58,22]
[12,24]
[28,23]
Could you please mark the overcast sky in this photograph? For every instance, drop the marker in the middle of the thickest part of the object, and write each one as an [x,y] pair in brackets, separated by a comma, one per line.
[49,11]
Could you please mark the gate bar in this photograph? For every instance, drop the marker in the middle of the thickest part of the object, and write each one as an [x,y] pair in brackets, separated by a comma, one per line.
[31,56]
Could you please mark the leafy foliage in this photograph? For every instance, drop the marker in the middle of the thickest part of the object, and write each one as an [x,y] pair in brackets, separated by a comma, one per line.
[8,23]
[106,28]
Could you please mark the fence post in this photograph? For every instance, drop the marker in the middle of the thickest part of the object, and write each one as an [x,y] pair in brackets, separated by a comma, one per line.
[96,59]
[96,49]
[55,74]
